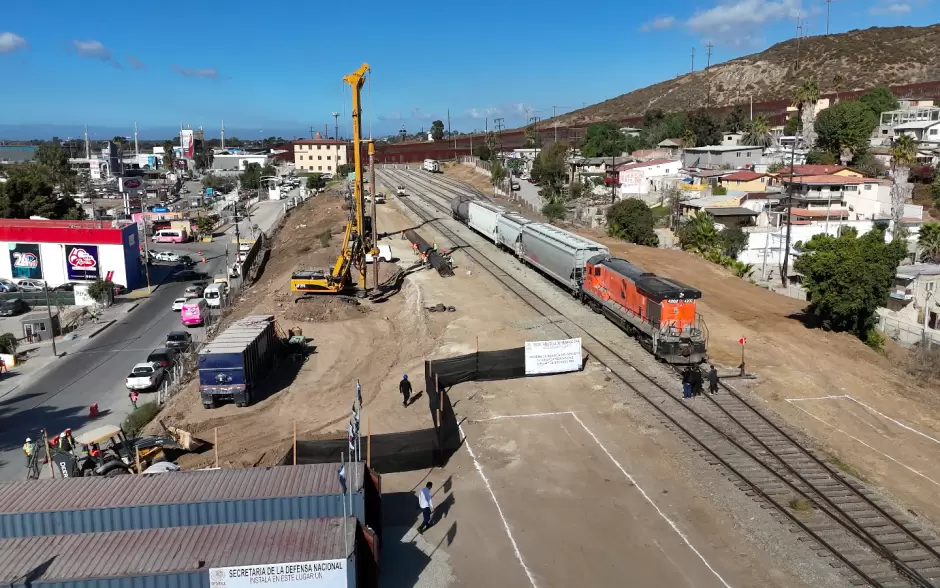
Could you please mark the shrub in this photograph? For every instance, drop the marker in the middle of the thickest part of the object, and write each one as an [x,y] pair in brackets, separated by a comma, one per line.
[138,419]
[101,291]
[632,220]
[554,210]
[8,343]
[325,237]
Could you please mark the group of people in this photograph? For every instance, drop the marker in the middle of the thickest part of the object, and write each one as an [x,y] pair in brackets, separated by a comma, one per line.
[693,381]
[63,442]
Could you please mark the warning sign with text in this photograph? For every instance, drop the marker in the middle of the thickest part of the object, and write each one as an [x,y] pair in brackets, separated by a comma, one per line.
[552,357]
[330,573]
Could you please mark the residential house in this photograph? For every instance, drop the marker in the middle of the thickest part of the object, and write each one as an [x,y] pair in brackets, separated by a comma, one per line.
[698,180]
[820,197]
[731,139]
[915,297]
[896,122]
[582,169]
[746,181]
[819,170]
[648,154]
[320,155]
[671,146]
[734,216]
[722,157]
[640,177]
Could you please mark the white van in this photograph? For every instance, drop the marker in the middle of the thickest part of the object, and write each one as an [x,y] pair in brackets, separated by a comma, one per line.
[431,165]
[215,294]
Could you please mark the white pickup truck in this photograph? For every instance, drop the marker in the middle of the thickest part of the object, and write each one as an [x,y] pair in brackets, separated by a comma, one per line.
[401,190]
[145,376]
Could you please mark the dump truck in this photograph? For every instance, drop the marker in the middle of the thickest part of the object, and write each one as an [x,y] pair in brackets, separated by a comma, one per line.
[234,364]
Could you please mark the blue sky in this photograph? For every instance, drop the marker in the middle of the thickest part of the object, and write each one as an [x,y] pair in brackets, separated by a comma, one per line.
[276,69]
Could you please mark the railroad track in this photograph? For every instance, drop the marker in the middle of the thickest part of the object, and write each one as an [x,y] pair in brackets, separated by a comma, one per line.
[871,542]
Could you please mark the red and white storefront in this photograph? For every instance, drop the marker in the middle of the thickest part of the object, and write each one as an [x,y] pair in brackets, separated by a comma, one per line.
[71,251]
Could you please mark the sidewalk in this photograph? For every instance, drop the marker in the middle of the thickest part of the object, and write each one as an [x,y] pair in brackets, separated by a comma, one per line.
[40,354]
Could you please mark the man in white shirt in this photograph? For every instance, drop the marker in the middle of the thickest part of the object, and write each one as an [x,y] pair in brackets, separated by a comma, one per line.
[424,501]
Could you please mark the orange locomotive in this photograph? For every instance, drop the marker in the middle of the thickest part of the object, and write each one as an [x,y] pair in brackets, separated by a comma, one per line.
[658,311]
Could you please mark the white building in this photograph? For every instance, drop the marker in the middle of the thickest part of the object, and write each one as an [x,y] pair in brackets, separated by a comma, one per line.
[320,155]
[238,160]
[644,177]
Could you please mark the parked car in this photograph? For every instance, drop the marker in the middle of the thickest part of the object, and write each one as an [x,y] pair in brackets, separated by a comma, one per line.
[167,256]
[13,307]
[186,260]
[244,246]
[194,291]
[179,340]
[7,285]
[66,287]
[30,285]
[145,376]
[515,186]
[178,304]
[162,356]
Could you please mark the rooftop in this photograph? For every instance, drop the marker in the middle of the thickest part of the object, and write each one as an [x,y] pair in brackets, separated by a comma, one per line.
[706,201]
[918,269]
[731,211]
[742,176]
[917,124]
[639,164]
[823,180]
[318,142]
[56,558]
[722,148]
[812,169]
[707,173]
[821,213]
[22,223]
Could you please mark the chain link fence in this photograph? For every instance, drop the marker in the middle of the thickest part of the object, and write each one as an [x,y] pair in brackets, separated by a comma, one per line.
[908,334]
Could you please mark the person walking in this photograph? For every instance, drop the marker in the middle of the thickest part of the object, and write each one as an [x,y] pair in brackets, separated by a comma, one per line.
[133,396]
[3,365]
[696,382]
[427,507]
[405,388]
[712,380]
[687,383]
[32,459]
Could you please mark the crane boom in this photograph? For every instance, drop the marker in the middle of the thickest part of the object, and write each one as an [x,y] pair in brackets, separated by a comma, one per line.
[355,81]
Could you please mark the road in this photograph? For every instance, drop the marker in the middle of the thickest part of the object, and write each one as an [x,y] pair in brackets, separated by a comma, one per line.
[95,372]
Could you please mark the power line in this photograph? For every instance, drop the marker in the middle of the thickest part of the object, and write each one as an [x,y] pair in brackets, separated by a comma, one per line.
[828,7]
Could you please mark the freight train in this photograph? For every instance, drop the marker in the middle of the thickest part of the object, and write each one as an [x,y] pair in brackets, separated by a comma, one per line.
[659,312]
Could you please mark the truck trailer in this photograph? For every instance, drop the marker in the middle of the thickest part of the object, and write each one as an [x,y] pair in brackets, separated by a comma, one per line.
[233,365]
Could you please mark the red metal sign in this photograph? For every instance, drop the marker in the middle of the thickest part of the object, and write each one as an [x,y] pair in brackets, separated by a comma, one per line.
[742,340]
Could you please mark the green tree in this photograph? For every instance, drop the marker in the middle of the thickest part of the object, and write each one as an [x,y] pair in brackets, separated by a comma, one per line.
[483,153]
[220,183]
[757,132]
[497,173]
[315,182]
[774,167]
[928,243]
[636,142]
[706,127]
[878,100]
[101,291]
[658,126]
[603,140]
[554,210]
[168,156]
[848,277]
[515,165]
[28,192]
[8,343]
[575,190]
[55,159]
[699,234]
[817,157]
[792,127]
[805,99]
[869,165]
[204,224]
[733,242]
[719,190]
[251,177]
[345,169]
[632,220]
[846,125]
[437,130]
[736,121]
[550,170]
[838,83]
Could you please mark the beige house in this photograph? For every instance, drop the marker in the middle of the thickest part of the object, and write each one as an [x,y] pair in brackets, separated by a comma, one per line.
[320,155]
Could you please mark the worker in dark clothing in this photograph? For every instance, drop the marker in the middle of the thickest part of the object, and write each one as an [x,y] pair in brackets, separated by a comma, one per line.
[712,380]
[405,388]
[65,444]
[687,382]
[696,382]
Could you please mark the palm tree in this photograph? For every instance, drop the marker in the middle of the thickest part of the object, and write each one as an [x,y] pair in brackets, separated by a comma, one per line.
[838,82]
[928,242]
[903,156]
[700,235]
[688,139]
[757,132]
[805,101]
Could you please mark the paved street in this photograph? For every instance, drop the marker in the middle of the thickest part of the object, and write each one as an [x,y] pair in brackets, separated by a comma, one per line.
[94,371]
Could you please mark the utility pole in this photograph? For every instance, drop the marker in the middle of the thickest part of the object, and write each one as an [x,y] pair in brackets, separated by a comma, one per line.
[554,122]
[498,124]
[87,144]
[708,61]
[828,8]
[786,247]
[51,325]
[799,36]
[336,125]
[449,134]
[693,59]
[223,134]
[136,146]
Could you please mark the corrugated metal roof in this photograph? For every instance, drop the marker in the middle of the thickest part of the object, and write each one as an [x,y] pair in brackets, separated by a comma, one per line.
[570,239]
[127,554]
[170,488]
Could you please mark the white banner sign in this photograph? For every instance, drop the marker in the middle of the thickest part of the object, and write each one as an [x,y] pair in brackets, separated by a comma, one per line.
[329,573]
[552,357]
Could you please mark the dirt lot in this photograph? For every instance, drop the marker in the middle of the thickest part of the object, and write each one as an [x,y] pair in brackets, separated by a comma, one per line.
[588,489]
[888,432]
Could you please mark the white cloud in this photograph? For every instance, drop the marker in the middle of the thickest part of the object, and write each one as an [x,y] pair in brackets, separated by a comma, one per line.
[483,112]
[882,7]
[10,42]
[390,116]
[737,16]
[659,23]
[209,72]
[135,63]
[92,50]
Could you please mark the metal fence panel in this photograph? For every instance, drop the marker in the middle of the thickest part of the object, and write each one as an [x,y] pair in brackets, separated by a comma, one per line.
[39,298]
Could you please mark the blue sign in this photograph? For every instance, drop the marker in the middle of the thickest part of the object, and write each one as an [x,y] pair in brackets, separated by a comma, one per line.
[208,191]
[159,209]
[81,262]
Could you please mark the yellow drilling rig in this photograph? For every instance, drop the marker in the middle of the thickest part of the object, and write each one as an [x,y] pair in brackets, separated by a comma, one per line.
[357,241]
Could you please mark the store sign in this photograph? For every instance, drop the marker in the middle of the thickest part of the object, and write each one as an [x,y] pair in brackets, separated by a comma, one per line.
[25,262]
[128,184]
[552,357]
[81,262]
[329,573]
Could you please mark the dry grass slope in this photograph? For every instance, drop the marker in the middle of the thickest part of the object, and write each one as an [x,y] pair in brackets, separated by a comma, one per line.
[879,55]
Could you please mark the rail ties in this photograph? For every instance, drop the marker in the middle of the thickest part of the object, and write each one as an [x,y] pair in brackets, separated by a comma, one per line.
[870,542]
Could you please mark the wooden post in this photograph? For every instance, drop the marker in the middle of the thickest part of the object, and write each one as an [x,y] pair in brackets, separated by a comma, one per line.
[45,438]
[215,444]
[137,459]
[369,444]
[295,442]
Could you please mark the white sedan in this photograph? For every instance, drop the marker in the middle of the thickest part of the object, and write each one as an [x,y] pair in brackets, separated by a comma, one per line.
[178,303]
[167,256]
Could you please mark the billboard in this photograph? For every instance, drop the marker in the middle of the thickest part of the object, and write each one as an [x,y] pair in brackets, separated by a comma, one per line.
[130,184]
[189,143]
[81,262]
[330,573]
[24,261]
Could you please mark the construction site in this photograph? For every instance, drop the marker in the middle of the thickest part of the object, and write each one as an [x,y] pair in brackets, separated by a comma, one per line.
[558,448]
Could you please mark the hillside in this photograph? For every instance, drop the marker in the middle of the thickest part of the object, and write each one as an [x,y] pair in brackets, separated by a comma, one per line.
[893,56]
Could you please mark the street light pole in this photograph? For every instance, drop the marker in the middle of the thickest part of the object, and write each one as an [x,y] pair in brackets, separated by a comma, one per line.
[146,254]
[51,325]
